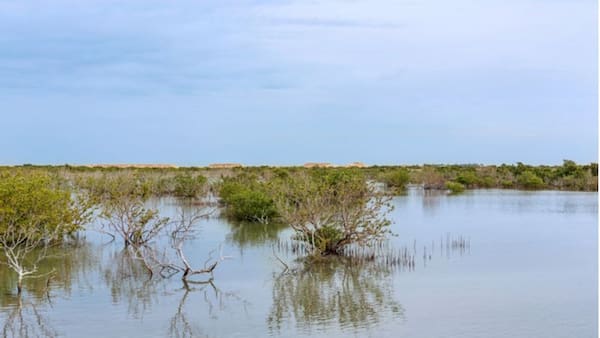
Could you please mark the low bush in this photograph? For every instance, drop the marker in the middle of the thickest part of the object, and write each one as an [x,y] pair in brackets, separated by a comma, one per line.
[529,180]
[397,179]
[455,187]
[189,186]
[247,200]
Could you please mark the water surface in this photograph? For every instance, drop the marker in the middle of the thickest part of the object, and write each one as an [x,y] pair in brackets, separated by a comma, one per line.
[530,270]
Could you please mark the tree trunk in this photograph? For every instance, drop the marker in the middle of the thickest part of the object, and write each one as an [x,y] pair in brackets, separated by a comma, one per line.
[20,285]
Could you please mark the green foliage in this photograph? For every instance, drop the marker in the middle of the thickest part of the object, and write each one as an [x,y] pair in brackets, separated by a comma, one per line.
[528,180]
[468,179]
[397,179]
[343,184]
[251,205]
[326,238]
[229,187]
[107,186]
[189,186]
[246,199]
[519,168]
[36,211]
[130,220]
[455,187]
[330,209]
[487,182]
[569,168]
[593,167]
[32,204]
[281,173]
[507,184]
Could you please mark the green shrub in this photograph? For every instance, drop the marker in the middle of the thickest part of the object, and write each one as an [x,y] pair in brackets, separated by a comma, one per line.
[247,200]
[331,209]
[506,184]
[397,179]
[468,179]
[569,168]
[32,205]
[593,167]
[487,182]
[324,239]
[455,187]
[188,186]
[251,205]
[529,180]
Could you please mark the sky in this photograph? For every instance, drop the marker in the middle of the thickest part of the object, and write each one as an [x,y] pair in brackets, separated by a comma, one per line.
[287,82]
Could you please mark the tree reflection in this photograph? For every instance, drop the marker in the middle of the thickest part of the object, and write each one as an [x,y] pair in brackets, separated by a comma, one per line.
[60,269]
[245,234]
[130,283]
[214,298]
[26,319]
[180,326]
[353,294]
[432,200]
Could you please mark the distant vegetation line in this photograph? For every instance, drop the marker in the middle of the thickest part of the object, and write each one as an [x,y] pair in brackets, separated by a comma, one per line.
[569,176]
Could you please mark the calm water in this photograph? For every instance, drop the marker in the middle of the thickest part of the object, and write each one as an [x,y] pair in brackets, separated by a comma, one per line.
[530,271]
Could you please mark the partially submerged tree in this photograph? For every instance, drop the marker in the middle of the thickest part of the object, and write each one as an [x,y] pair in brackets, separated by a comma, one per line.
[35,213]
[168,263]
[140,228]
[125,215]
[128,218]
[184,229]
[431,178]
[145,232]
[330,210]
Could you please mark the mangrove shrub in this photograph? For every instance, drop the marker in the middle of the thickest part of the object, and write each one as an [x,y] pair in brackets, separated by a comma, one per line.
[189,186]
[246,199]
[529,180]
[455,187]
[330,210]
[35,213]
[397,179]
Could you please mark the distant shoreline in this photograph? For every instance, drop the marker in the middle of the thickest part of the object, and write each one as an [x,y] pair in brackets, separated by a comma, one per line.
[241,165]
[569,176]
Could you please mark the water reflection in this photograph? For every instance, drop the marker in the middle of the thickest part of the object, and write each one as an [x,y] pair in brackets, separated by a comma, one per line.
[63,267]
[129,282]
[59,270]
[351,294]
[180,325]
[246,235]
[27,319]
[213,299]
[432,200]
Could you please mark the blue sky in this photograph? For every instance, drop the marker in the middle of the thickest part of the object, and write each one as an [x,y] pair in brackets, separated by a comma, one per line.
[287,82]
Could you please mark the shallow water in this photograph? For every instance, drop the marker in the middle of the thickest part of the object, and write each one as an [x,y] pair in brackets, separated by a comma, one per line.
[530,270]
